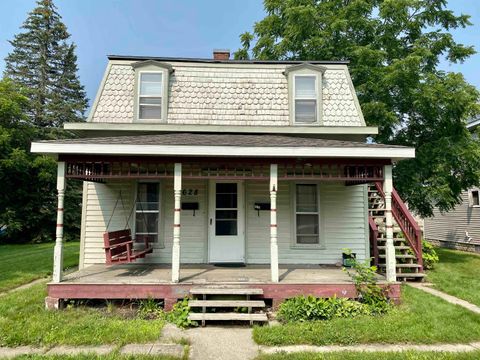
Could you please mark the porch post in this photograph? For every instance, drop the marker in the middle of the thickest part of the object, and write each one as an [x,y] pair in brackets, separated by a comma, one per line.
[177,190]
[273,222]
[390,249]
[58,250]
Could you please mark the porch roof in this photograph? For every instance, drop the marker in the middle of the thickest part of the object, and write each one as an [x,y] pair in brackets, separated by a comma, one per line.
[195,144]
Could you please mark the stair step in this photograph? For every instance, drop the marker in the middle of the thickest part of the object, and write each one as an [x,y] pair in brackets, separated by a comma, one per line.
[397,247]
[225,291]
[400,256]
[416,266]
[227,317]
[410,275]
[226,303]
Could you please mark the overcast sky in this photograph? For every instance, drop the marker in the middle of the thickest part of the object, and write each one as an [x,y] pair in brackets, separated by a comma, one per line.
[186,28]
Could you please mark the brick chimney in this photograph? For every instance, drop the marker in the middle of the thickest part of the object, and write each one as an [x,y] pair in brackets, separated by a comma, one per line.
[221,54]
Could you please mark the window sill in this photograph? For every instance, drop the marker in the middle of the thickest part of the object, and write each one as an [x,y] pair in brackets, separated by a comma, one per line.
[307,247]
[315,124]
[148,120]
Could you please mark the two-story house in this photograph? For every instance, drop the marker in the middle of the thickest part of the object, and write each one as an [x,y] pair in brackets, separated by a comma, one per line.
[255,168]
[460,227]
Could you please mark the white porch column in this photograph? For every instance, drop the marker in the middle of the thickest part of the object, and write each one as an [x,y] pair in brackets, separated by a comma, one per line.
[390,249]
[273,222]
[177,191]
[58,250]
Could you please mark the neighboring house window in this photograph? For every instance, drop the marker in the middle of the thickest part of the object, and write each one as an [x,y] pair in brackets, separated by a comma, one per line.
[474,197]
[150,96]
[147,211]
[307,214]
[306,99]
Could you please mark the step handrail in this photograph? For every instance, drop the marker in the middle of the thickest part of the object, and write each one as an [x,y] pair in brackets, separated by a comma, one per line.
[406,222]
[373,239]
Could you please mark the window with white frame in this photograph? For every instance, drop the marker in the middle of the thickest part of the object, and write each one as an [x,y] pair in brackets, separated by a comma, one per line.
[147,211]
[474,197]
[307,215]
[306,98]
[150,96]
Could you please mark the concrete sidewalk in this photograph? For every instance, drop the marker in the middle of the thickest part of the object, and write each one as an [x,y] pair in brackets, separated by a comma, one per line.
[447,348]
[449,298]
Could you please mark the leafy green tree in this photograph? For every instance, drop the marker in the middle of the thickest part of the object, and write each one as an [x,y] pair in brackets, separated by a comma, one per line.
[394,48]
[28,197]
[44,63]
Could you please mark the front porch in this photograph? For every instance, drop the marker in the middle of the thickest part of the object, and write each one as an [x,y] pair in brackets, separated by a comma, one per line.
[141,281]
[259,200]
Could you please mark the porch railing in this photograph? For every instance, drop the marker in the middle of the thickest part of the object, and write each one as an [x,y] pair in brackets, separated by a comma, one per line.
[373,239]
[406,222]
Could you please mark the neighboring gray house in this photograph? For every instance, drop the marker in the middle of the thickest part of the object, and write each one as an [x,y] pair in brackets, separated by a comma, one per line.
[459,228]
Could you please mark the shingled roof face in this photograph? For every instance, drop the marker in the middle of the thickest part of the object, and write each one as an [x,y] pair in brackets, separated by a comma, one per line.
[228,95]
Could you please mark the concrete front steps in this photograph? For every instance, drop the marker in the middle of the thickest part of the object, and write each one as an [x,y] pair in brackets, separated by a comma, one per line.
[218,303]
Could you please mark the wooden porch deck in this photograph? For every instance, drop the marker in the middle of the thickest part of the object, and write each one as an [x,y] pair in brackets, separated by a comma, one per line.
[140,281]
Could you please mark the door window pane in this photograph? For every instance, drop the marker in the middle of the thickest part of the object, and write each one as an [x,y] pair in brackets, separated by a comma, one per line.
[226,196]
[226,221]
[226,227]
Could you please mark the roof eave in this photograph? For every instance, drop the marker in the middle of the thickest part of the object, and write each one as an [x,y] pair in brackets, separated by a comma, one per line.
[204,60]
[155,128]
[393,153]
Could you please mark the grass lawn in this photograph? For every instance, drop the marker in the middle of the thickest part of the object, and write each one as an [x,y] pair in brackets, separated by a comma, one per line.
[414,355]
[421,318]
[24,321]
[21,264]
[457,274]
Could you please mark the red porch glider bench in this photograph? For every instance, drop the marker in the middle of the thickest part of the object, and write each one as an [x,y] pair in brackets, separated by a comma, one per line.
[118,247]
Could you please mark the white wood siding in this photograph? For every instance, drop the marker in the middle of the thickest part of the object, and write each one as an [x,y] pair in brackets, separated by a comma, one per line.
[343,210]
[100,201]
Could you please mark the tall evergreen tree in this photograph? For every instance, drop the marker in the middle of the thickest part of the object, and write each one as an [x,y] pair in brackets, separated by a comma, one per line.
[394,48]
[44,62]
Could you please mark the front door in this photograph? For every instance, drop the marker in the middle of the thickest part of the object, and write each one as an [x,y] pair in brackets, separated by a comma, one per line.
[226,227]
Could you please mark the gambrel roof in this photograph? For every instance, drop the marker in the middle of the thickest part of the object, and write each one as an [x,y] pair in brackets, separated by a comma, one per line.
[211,92]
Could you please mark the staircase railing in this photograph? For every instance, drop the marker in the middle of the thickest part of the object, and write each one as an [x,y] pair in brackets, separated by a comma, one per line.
[406,222]
[373,239]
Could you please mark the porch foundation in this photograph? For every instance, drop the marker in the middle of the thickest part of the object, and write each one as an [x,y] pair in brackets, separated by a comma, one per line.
[52,303]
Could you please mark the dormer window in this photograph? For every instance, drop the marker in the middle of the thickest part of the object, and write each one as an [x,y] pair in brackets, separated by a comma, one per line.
[305,93]
[150,96]
[306,99]
[151,91]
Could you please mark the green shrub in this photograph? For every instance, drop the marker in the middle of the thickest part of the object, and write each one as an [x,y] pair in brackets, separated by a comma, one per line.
[369,292]
[429,255]
[149,309]
[179,314]
[308,308]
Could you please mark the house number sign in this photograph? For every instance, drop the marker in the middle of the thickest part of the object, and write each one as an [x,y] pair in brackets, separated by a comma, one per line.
[189,192]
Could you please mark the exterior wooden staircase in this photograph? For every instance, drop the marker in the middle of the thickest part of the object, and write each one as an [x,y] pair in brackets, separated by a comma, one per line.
[407,235]
[222,303]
